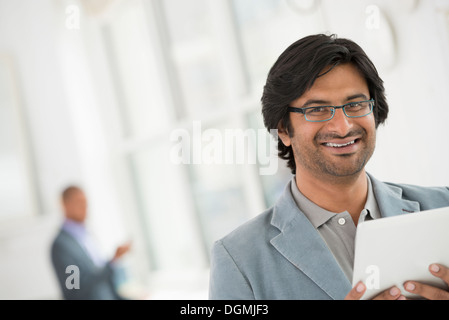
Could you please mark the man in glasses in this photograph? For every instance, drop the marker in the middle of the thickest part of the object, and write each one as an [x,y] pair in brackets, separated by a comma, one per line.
[326,99]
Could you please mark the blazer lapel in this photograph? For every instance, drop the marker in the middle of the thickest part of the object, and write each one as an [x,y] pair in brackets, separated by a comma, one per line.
[300,243]
[389,199]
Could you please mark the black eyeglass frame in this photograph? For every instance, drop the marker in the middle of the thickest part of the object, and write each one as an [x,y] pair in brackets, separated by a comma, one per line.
[333,109]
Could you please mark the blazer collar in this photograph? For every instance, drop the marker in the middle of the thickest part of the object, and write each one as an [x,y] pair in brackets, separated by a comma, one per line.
[390,201]
[300,243]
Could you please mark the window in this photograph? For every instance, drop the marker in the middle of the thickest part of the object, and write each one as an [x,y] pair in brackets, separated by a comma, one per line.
[17,193]
[181,81]
[262,42]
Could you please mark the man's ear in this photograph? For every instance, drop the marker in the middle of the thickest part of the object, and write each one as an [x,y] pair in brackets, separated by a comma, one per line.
[283,135]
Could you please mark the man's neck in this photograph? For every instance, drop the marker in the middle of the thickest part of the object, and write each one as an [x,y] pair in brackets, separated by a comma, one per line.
[335,194]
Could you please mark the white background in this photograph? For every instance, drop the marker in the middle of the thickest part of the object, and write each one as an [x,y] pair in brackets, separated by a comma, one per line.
[70,97]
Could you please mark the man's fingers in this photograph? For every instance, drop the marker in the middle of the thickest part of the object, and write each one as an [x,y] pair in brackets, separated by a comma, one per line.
[427,291]
[357,292]
[359,289]
[390,294]
[440,271]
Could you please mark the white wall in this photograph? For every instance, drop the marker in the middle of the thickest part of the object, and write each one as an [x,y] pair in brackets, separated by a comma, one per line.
[24,244]
[412,145]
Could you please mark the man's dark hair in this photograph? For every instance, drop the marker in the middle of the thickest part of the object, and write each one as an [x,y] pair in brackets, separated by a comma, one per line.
[296,70]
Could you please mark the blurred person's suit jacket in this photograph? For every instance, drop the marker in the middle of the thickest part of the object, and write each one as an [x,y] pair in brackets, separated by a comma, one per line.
[96,281]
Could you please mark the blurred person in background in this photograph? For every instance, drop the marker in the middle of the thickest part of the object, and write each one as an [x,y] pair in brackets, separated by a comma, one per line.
[81,270]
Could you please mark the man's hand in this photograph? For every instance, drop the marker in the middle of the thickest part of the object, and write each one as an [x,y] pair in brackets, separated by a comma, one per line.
[121,250]
[359,289]
[423,290]
[427,291]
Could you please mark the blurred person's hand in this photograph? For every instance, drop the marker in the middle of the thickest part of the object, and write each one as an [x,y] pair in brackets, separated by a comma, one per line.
[121,250]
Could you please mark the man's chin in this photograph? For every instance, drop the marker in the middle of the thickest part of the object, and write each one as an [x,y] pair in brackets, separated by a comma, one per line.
[345,171]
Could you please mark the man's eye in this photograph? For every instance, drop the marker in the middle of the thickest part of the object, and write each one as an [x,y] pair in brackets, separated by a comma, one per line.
[316,110]
[355,105]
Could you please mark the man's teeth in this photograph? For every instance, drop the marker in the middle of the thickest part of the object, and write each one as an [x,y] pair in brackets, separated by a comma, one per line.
[336,145]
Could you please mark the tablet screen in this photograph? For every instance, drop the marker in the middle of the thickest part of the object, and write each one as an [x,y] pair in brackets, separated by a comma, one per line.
[392,250]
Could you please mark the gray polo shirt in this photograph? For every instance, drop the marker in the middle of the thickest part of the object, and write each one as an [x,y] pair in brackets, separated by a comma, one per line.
[337,229]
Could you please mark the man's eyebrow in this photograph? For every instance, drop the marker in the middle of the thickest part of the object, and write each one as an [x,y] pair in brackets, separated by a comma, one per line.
[317,102]
[328,103]
[356,96]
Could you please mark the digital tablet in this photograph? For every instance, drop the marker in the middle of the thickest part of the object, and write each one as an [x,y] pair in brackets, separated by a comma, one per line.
[389,251]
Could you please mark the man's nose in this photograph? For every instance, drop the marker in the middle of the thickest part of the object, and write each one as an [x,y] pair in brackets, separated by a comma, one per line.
[340,123]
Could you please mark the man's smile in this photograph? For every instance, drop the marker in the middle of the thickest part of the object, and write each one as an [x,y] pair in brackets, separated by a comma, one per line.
[339,145]
[342,145]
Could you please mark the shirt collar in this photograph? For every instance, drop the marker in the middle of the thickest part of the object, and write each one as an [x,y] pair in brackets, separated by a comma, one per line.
[371,202]
[316,215]
[75,228]
[319,216]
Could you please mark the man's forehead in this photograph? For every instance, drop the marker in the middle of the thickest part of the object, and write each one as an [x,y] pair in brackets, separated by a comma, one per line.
[342,83]
[352,97]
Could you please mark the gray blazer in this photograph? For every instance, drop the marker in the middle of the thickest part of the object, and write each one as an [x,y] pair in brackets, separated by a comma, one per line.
[96,283]
[280,255]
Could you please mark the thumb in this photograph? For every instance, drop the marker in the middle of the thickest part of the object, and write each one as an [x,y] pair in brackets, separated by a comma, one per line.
[357,292]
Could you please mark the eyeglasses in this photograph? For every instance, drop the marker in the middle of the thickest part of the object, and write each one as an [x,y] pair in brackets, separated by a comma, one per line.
[324,113]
